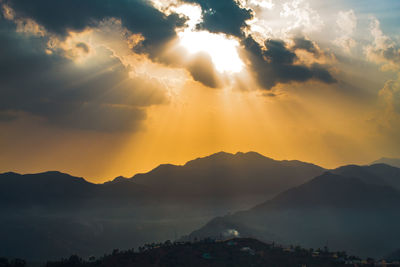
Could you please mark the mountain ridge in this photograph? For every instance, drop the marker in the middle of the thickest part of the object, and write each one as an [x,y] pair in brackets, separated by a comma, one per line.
[77,216]
[395,162]
[173,200]
[242,173]
[344,211]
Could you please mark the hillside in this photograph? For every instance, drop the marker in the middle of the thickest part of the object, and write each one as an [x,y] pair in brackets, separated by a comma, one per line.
[235,252]
[334,210]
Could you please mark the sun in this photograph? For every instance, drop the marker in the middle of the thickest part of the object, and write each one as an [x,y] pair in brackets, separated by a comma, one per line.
[222,49]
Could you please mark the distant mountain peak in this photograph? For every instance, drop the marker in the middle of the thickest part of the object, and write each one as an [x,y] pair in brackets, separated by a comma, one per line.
[54,172]
[395,162]
[252,155]
[46,173]
[9,173]
[225,156]
[378,174]
[230,175]
[118,179]
[58,174]
[214,156]
[237,154]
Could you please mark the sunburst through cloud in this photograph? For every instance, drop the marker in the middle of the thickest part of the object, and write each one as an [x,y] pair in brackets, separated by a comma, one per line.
[199,133]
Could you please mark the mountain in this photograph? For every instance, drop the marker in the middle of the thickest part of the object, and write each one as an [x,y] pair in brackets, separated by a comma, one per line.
[54,214]
[223,175]
[48,214]
[341,212]
[59,190]
[389,161]
[118,180]
[379,174]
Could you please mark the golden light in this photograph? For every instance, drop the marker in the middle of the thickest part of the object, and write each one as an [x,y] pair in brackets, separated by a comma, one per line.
[221,48]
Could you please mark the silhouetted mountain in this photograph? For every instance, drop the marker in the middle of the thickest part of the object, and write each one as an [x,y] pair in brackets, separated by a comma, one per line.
[48,214]
[55,214]
[59,190]
[118,180]
[228,175]
[379,174]
[40,189]
[221,176]
[335,191]
[389,161]
[331,210]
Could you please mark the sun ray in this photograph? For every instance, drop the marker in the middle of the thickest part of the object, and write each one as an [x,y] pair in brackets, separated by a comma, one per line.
[222,49]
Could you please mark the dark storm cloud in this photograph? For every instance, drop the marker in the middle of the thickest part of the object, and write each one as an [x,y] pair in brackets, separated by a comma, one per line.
[277,54]
[97,96]
[202,70]
[276,64]
[138,16]
[307,45]
[223,16]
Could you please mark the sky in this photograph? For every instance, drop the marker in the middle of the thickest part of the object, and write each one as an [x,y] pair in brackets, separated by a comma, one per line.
[102,88]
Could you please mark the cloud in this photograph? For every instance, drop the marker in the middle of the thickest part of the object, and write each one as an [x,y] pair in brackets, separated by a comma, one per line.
[346,25]
[268,4]
[390,94]
[272,65]
[277,54]
[60,33]
[270,94]
[276,64]
[301,17]
[202,70]
[223,16]
[383,50]
[306,45]
[156,30]
[83,46]
[386,120]
[97,95]
[140,17]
